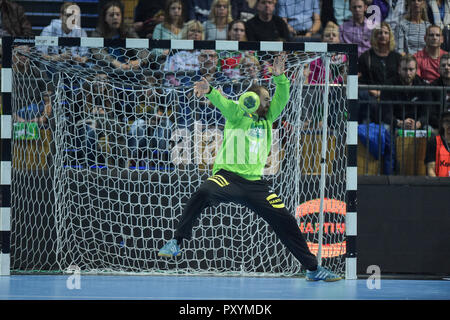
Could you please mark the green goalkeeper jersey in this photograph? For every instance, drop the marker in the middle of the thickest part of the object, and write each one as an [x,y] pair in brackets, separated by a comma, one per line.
[247,138]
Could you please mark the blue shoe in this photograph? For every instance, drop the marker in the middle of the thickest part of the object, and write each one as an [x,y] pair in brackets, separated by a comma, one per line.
[322,274]
[170,249]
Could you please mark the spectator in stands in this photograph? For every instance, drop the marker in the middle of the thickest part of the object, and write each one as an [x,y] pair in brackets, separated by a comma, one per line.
[236,31]
[397,9]
[33,80]
[149,135]
[356,30]
[443,81]
[330,33]
[340,10]
[147,14]
[34,109]
[428,58]
[20,60]
[229,60]
[316,72]
[301,16]
[216,27]
[198,9]
[401,115]
[439,12]
[243,9]
[93,122]
[68,25]
[111,22]
[39,113]
[170,28]
[410,32]
[437,157]
[265,26]
[208,67]
[375,67]
[111,25]
[185,60]
[173,21]
[161,126]
[209,70]
[13,20]
[250,68]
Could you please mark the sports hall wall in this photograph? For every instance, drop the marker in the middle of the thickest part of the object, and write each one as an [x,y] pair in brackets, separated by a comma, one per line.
[404,224]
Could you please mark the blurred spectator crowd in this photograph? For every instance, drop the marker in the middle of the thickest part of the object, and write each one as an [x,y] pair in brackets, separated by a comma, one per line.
[400,43]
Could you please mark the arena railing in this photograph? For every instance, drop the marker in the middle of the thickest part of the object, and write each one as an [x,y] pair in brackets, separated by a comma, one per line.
[395,150]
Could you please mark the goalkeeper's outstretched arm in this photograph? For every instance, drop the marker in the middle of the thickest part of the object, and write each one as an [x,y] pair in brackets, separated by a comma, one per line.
[227,107]
[230,109]
[281,96]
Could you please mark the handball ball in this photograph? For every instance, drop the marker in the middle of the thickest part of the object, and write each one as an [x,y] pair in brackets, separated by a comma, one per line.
[249,102]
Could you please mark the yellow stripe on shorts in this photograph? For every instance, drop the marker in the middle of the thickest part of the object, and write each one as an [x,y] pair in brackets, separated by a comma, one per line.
[219,177]
[221,181]
[275,201]
[272,196]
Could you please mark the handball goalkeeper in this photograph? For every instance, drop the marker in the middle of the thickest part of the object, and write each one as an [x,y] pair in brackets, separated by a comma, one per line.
[239,165]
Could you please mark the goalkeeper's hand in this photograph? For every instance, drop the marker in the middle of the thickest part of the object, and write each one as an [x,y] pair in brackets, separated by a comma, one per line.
[201,88]
[279,64]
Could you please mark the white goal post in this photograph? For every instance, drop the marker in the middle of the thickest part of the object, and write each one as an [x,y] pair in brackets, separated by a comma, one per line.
[98,162]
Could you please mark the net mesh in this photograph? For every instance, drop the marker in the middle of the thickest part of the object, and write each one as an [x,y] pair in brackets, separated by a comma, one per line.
[106,154]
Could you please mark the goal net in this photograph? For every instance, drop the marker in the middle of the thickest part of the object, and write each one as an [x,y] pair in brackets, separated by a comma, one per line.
[109,143]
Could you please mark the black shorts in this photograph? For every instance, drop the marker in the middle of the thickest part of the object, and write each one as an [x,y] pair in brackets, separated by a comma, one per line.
[226,187]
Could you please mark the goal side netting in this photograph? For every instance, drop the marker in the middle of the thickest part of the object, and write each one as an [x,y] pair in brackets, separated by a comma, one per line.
[105,157]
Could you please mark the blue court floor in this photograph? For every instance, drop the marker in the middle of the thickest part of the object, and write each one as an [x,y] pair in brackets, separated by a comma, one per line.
[106,287]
